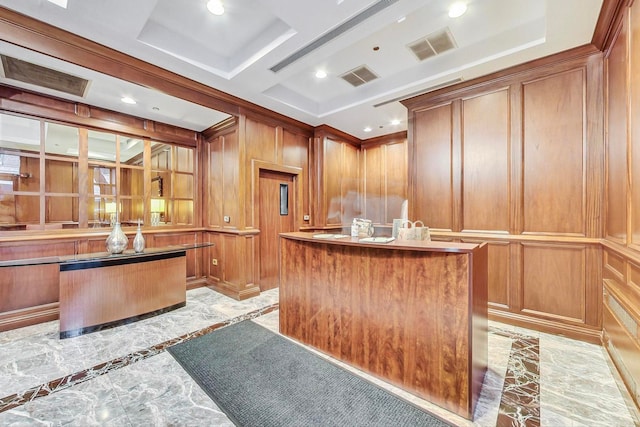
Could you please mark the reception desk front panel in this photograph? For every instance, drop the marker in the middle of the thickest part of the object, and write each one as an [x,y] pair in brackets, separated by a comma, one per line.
[413,314]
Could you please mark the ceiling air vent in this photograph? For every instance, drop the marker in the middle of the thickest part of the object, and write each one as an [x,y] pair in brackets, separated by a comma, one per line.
[359,76]
[433,44]
[38,75]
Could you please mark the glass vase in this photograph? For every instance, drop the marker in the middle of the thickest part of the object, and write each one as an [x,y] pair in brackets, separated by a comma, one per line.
[138,241]
[117,240]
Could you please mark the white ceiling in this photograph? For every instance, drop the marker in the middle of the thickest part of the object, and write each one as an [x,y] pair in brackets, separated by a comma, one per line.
[236,52]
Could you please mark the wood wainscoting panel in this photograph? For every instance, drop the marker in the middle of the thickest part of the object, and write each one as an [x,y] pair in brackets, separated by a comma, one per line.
[486,162]
[432,167]
[616,112]
[557,270]
[234,275]
[554,144]
[195,262]
[624,350]
[26,287]
[499,265]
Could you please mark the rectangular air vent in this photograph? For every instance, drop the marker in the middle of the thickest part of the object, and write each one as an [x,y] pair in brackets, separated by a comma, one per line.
[433,44]
[359,76]
[26,72]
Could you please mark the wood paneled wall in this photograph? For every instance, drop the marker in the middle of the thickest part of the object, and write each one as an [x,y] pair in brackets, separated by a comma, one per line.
[358,179]
[621,255]
[518,160]
[236,151]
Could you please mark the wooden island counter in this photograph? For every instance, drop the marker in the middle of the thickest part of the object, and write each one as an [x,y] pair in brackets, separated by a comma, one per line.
[412,313]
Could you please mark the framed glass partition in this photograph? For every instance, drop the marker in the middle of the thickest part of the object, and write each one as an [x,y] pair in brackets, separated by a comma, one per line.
[44,164]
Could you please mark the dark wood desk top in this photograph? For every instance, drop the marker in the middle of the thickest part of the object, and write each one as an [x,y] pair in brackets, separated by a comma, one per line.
[413,245]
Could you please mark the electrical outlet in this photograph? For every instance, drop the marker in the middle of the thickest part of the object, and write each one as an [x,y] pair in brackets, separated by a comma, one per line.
[214,261]
[227,218]
[306,217]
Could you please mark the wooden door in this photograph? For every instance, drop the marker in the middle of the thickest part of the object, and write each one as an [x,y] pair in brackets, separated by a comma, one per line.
[276,206]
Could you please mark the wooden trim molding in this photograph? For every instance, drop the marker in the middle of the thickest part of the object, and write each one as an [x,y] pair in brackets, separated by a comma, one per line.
[29,316]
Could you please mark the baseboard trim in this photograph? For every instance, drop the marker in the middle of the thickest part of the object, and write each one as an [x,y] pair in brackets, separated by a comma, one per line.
[29,316]
[582,333]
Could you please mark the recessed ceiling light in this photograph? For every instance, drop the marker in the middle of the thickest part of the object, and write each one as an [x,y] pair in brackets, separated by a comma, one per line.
[321,74]
[128,100]
[216,7]
[457,9]
[61,3]
[395,122]
[367,129]
[401,19]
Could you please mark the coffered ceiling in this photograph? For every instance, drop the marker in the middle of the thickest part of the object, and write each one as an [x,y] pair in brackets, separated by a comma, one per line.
[374,53]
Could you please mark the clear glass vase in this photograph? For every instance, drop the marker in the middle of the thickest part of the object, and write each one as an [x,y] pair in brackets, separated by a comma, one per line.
[117,240]
[138,241]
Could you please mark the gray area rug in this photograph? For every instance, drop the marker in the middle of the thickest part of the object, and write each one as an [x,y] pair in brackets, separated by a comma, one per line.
[259,378]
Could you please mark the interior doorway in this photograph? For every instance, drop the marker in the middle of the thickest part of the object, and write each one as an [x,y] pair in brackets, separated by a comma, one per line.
[276,205]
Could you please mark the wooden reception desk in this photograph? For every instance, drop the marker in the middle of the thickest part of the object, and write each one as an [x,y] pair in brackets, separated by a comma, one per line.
[412,313]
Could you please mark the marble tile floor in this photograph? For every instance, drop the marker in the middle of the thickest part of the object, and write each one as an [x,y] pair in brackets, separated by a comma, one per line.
[123,377]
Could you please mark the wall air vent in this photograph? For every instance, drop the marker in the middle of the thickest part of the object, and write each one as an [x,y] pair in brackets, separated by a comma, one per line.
[34,74]
[358,76]
[433,44]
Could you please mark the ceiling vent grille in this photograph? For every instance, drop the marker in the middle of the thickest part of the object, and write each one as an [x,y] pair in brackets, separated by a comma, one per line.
[433,44]
[34,74]
[359,76]
[334,33]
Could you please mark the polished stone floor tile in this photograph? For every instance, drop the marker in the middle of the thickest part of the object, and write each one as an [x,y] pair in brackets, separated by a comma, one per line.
[124,377]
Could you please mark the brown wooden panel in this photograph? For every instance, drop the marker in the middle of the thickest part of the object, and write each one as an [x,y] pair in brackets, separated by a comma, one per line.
[554,140]
[499,266]
[194,260]
[614,266]
[332,172]
[633,277]
[486,150]
[295,152]
[230,184]
[626,348]
[24,287]
[260,143]
[617,183]
[215,173]
[634,123]
[351,200]
[373,196]
[260,139]
[402,315]
[553,282]
[97,296]
[433,167]
[396,179]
